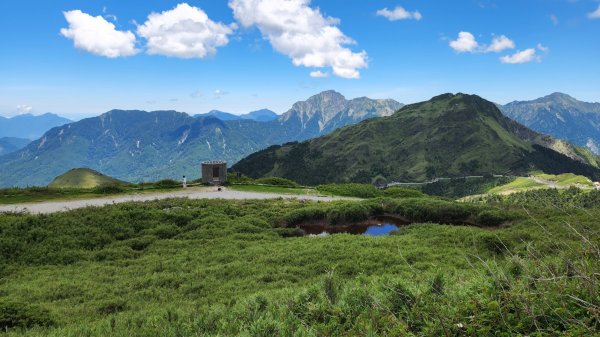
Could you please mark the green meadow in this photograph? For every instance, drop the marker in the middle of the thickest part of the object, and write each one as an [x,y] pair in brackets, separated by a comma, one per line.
[241,268]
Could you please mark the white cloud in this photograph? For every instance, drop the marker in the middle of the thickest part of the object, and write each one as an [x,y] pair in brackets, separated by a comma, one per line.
[98,36]
[24,108]
[554,19]
[543,48]
[523,56]
[500,43]
[184,32]
[399,13]
[220,93]
[302,33]
[196,94]
[595,14]
[319,74]
[464,43]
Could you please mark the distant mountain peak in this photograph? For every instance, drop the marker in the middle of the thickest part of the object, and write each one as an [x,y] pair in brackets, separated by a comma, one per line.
[561,116]
[330,109]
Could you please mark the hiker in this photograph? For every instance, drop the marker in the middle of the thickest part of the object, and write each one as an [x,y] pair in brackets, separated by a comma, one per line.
[184,182]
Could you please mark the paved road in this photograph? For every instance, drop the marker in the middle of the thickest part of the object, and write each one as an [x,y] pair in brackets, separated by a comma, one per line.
[191,193]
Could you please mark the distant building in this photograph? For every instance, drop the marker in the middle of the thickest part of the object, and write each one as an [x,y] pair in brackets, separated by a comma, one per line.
[214,172]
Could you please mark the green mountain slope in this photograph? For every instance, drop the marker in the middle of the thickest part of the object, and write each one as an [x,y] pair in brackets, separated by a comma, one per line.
[449,135]
[561,116]
[83,178]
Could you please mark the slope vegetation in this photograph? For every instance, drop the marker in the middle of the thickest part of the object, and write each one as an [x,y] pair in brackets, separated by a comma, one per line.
[449,135]
[83,178]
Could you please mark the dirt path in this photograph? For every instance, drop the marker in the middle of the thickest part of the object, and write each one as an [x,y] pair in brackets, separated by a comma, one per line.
[190,193]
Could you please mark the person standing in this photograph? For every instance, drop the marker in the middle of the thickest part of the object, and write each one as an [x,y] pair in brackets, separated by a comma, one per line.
[184,182]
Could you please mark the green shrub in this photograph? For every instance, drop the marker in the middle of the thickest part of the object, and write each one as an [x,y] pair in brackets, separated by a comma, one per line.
[276,181]
[400,192]
[351,190]
[167,183]
[115,253]
[108,189]
[492,243]
[112,306]
[492,218]
[345,213]
[20,315]
[165,231]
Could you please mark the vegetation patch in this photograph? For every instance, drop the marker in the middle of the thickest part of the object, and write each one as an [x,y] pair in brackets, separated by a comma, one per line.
[216,267]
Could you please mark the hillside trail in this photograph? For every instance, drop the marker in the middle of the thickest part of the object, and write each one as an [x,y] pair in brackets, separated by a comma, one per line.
[46,207]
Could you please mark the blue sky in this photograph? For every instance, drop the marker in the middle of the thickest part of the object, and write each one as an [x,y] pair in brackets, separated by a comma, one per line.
[82,58]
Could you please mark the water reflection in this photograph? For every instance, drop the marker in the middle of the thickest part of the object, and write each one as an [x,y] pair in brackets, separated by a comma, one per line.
[373,227]
[378,230]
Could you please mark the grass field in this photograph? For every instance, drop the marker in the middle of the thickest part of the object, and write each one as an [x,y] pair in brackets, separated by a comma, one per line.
[274,189]
[83,178]
[520,184]
[566,179]
[217,268]
[40,194]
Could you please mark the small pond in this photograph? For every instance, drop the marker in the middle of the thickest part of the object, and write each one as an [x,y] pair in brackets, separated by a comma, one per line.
[373,227]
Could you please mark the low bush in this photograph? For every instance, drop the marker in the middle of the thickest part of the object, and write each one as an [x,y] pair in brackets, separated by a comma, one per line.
[21,315]
[400,192]
[350,190]
[108,189]
[276,181]
[167,183]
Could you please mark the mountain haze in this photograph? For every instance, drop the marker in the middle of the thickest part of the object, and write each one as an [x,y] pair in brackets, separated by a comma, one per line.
[263,115]
[30,126]
[561,116]
[449,135]
[147,146]
[12,144]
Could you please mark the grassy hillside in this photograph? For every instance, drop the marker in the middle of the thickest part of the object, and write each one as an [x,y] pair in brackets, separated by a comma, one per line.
[208,268]
[450,135]
[83,178]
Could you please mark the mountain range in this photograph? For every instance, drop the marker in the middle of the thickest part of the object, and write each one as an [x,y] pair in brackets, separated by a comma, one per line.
[263,115]
[30,126]
[449,135]
[12,144]
[147,146]
[561,116]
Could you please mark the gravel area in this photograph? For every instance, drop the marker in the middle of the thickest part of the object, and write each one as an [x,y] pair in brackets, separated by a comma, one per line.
[191,193]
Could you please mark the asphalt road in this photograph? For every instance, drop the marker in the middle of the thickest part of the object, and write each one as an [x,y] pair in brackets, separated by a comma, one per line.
[45,207]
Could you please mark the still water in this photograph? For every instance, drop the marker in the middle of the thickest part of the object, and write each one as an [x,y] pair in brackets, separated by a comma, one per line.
[370,229]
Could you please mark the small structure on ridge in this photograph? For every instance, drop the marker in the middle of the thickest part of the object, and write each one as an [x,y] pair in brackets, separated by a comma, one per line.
[214,172]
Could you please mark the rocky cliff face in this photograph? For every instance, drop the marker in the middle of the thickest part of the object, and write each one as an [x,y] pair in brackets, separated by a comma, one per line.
[560,116]
[330,110]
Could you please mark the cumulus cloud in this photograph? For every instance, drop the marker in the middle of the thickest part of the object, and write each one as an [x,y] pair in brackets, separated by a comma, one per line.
[500,43]
[519,57]
[98,36]
[399,13]
[318,74]
[24,108]
[464,43]
[184,32]
[302,33]
[595,14]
